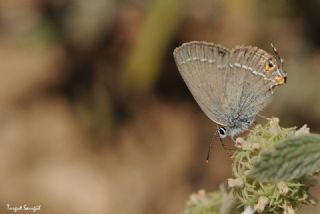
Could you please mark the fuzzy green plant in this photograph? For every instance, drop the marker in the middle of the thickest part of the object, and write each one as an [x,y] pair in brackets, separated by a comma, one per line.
[272,169]
[201,202]
[213,203]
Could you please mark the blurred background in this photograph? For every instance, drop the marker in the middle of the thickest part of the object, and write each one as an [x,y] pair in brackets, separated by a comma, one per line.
[95,117]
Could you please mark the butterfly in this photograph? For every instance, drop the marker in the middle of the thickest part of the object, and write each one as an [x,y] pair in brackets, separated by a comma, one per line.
[231,86]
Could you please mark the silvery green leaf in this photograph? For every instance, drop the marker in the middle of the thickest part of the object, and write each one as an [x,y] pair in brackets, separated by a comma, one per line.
[291,158]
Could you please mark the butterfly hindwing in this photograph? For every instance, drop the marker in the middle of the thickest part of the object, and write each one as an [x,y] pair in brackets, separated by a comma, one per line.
[248,85]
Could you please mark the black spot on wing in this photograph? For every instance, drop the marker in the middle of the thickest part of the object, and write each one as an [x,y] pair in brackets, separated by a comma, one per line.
[221,52]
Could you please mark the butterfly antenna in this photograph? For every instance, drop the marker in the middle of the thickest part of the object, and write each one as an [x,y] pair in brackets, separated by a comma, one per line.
[223,145]
[210,146]
[209,151]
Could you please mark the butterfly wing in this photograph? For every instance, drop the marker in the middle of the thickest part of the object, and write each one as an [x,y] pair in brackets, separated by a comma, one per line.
[203,66]
[248,86]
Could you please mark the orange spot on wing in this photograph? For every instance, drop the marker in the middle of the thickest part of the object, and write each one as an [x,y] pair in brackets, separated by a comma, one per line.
[269,66]
[280,80]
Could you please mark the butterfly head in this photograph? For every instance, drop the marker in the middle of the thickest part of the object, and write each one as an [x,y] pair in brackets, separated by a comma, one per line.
[222,132]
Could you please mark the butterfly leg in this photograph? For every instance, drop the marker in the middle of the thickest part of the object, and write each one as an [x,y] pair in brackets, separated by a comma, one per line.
[263,117]
[271,89]
[234,140]
[224,146]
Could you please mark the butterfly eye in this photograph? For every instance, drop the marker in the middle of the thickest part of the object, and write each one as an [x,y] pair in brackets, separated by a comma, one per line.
[269,66]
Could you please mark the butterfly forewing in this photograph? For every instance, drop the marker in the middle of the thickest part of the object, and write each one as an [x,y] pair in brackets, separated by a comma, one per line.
[203,66]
